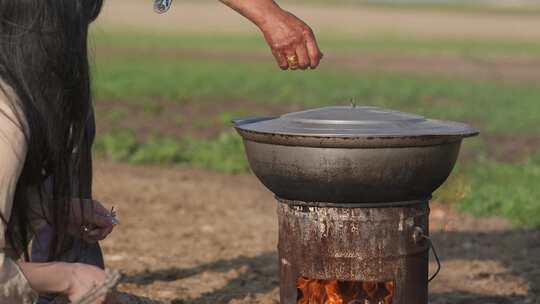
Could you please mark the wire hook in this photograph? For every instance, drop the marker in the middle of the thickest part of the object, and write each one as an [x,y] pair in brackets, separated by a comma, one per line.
[436,257]
[418,236]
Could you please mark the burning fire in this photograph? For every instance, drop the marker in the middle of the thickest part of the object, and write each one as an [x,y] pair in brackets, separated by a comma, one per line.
[312,291]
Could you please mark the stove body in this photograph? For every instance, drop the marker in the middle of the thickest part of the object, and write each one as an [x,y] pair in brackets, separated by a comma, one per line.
[353,185]
[342,254]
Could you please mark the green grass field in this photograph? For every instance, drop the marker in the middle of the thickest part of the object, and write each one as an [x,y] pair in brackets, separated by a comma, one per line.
[386,43]
[486,183]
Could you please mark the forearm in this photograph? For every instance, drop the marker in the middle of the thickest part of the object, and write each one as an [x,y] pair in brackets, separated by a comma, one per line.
[258,11]
[48,277]
[291,41]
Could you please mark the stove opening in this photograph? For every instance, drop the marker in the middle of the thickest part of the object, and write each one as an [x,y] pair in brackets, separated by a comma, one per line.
[313,291]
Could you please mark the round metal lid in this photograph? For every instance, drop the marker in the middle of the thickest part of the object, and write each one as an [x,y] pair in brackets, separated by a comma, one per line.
[352,126]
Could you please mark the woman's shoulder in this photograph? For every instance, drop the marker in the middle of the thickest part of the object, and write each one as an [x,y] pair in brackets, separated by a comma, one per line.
[9,105]
[11,126]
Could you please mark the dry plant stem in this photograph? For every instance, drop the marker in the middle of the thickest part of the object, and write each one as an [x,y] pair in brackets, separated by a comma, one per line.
[126,298]
[112,279]
[113,276]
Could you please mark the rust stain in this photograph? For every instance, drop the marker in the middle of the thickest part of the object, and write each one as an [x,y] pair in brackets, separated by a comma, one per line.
[354,245]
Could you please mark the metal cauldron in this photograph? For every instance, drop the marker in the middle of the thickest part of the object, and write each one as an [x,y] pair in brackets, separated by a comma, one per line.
[352,154]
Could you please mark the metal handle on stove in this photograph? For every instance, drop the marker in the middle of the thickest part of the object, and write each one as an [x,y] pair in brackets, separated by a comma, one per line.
[420,235]
[436,258]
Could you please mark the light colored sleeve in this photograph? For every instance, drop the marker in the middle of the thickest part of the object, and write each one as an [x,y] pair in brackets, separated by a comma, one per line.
[14,288]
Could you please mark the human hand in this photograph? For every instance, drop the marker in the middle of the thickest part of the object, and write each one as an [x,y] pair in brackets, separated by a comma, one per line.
[291,41]
[92,219]
[83,279]
[72,282]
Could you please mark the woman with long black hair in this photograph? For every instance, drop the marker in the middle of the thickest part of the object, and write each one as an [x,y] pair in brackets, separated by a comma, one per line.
[46,133]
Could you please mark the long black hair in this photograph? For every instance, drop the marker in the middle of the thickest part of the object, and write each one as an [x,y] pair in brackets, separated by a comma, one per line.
[44,59]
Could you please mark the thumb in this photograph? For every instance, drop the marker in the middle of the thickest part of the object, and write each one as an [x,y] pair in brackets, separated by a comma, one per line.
[102,221]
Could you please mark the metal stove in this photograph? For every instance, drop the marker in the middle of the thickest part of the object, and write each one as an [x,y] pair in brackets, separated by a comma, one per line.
[353,186]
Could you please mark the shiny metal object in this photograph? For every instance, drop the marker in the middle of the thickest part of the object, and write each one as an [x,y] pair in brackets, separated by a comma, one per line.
[352,154]
[162,6]
[352,127]
[114,221]
[114,218]
[353,186]
[292,60]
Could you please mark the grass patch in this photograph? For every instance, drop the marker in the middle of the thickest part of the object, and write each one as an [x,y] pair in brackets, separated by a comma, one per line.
[455,189]
[508,190]
[225,154]
[117,146]
[389,43]
[158,150]
[494,107]
[226,117]
[488,188]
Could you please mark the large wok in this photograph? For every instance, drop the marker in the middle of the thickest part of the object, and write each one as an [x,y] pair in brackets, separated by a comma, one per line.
[363,155]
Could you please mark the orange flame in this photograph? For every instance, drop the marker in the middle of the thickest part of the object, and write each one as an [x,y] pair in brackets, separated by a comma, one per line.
[313,291]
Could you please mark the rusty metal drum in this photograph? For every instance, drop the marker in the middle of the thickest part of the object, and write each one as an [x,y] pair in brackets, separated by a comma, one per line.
[354,245]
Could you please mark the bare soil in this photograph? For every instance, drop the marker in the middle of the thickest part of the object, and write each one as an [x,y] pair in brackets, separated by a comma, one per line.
[514,69]
[179,119]
[511,147]
[192,236]
[211,16]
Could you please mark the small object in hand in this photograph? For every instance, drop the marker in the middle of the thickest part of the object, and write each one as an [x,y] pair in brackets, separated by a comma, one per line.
[162,6]
[112,214]
[292,61]
[114,220]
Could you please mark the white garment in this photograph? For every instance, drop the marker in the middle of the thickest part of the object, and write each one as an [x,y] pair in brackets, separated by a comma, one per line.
[14,286]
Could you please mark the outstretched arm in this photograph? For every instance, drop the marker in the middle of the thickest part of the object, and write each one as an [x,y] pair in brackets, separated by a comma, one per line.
[291,41]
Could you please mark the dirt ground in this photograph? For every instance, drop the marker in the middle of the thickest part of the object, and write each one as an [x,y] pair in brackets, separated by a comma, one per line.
[338,21]
[201,119]
[211,16]
[193,236]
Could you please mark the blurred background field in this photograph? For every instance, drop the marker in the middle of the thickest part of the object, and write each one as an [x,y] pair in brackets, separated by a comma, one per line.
[168,96]
[167,87]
